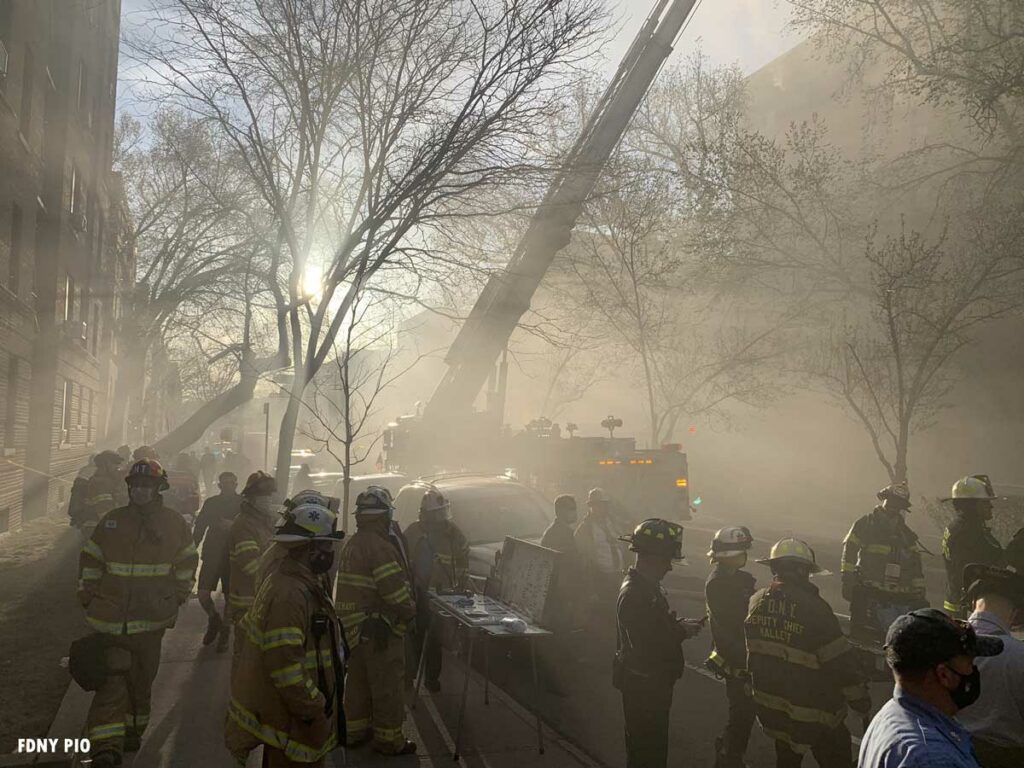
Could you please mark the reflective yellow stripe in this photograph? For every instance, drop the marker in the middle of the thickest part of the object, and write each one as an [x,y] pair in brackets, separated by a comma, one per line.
[107,731]
[100,497]
[249,722]
[143,570]
[184,574]
[189,550]
[848,567]
[400,595]
[245,546]
[796,712]
[240,601]
[879,549]
[278,638]
[92,549]
[833,650]
[894,589]
[251,567]
[352,619]
[950,606]
[851,538]
[388,569]
[360,726]
[355,580]
[725,666]
[91,574]
[387,735]
[290,675]
[784,652]
[131,627]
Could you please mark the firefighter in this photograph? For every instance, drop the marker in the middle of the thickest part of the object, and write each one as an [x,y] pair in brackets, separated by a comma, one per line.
[439,554]
[248,539]
[882,573]
[376,608]
[134,573]
[968,539]
[803,671]
[559,535]
[286,686]
[649,656]
[102,492]
[214,525]
[727,592]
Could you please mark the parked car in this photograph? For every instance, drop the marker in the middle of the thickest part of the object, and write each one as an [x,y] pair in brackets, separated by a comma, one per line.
[486,508]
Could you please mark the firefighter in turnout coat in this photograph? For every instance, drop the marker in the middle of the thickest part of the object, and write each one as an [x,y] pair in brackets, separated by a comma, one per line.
[102,492]
[376,607]
[882,573]
[803,671]
[968,538]
[649,656]
[134,573]
[248,539]
[287,682]
[728,590]
[439,555]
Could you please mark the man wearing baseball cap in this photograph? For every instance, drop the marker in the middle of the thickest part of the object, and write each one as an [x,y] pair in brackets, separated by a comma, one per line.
[996,722]
[932,659]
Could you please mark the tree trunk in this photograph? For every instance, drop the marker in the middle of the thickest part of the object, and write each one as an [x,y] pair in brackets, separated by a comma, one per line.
[286,435]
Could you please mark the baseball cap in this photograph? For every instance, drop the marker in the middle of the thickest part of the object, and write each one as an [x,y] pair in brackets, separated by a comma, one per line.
[980,579]
[926,637]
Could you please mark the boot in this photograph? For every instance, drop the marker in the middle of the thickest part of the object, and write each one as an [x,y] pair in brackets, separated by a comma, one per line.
[213,627]
[224,637]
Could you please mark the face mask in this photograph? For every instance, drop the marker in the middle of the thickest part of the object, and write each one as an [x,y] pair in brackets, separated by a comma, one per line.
[141,495]
[969,689]
[321,561]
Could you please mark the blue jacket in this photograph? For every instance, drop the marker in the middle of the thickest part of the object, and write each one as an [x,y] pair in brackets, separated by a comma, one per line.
[910,733]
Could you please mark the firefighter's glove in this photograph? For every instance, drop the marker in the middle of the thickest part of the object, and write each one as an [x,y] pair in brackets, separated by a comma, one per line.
[862,704]
[688,628]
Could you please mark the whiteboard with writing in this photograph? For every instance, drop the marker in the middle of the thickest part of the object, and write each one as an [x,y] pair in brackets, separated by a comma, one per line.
[527,572]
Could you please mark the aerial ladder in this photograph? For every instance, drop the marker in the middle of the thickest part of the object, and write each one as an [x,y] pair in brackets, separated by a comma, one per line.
[507,296]
[448,434]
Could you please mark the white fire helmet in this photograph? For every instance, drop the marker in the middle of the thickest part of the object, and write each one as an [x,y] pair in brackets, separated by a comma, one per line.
[730,541]
[972,487]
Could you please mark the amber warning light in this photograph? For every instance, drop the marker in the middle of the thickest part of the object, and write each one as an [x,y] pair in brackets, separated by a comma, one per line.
[681,482]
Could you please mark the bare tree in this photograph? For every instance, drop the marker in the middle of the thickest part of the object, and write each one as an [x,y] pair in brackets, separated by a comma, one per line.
[656,301]
[343,407]
[392,113]
[892,369]
[190,236]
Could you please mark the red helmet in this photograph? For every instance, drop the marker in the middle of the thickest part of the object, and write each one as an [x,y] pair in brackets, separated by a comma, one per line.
[148,470]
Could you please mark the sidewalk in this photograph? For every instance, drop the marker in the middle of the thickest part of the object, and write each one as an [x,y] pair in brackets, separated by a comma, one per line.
[190,697]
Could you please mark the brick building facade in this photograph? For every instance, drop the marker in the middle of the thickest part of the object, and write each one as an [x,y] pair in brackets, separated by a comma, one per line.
[65,265]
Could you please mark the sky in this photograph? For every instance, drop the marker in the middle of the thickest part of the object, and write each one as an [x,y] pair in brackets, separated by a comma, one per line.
[748,32]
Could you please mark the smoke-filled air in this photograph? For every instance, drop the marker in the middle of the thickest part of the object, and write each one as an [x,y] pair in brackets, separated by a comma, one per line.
[512,383]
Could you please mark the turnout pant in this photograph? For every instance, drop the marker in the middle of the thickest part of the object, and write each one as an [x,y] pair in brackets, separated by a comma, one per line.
[645,707]
[736,735]
[374,694]
[121,705]
[832,751]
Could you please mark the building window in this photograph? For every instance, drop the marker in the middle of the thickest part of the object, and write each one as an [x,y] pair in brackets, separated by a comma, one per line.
[14,255]
[91,396]
[65,416]
[69,299]
[11,411]
[27,86]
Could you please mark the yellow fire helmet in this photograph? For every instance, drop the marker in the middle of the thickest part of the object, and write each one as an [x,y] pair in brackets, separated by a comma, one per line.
[793,550]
